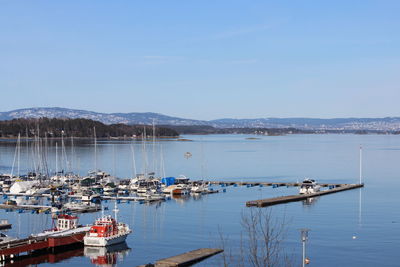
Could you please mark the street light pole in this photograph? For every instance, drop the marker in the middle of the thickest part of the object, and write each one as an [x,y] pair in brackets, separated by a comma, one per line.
[304,238]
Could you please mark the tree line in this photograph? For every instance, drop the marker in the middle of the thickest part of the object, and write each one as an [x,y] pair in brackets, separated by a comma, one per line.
[55,127]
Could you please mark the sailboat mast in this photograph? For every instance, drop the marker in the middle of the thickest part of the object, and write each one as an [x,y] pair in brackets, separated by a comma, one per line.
[56,159]
[133,161]
[72,154]
[95,149]
[62,152]
[19,152]
[154,147]
[144,151]
[115,209]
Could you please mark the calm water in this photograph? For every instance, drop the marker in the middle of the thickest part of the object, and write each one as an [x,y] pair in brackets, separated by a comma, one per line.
[179,225]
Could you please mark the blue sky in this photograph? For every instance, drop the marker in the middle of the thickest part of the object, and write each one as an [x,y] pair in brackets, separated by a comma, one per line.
[203,59]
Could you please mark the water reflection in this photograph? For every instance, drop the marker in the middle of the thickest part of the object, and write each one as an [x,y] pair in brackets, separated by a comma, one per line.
[107,256]
[310,201]
[58,255]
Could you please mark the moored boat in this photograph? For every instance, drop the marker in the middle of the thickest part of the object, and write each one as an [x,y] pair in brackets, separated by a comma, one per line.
[106,231]
[66,231]
[309,186]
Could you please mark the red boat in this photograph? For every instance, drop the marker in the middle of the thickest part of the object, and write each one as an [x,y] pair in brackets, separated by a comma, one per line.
[66,232]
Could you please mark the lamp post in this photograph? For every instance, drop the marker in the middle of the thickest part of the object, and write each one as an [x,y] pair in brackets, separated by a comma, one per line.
[304,238]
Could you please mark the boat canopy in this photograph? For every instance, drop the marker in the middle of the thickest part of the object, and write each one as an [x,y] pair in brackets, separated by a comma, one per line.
[168,181]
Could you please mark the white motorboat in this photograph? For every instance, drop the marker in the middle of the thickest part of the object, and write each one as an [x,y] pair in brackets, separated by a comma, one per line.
[89,195]
[309,186]
[199,187]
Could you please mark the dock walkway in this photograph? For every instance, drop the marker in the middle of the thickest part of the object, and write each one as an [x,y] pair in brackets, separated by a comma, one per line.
[186,259]
[292,198]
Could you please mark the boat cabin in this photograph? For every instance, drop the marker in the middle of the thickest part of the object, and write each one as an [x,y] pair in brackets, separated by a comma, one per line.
[103,227]
[66,222]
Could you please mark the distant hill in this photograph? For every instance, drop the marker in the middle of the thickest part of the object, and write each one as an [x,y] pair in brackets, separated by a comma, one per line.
[136,118]
[126,118]
[76,128]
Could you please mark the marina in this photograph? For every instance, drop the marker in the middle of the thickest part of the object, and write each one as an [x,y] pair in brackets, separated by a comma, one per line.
[199,133]
[159,218]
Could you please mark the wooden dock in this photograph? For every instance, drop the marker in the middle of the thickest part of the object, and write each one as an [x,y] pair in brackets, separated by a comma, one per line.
[186,259]
[25,207]
[42,208]
[292,198]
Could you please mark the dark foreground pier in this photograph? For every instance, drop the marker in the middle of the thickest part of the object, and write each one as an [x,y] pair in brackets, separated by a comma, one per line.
[185,259]
[292,198]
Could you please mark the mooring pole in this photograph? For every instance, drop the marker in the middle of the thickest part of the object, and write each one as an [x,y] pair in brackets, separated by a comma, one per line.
[360,164]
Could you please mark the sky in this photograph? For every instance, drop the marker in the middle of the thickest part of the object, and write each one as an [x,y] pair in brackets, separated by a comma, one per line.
[203,59]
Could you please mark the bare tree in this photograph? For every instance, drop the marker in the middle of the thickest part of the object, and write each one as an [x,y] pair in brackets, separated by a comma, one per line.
[261,241]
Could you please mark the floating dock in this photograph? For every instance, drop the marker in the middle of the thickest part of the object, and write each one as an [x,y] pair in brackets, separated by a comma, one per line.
[186,259]
[37,208]
[41,208]
[292,198]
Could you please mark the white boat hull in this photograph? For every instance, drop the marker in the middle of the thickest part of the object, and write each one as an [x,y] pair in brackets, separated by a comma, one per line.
[309,190]
[95,241]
